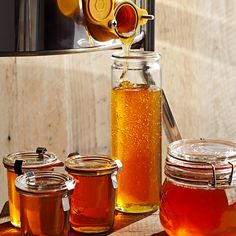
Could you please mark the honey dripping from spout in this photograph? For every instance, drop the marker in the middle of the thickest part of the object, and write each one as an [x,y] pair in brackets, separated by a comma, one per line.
[129,18]
[126,18]
[126,46]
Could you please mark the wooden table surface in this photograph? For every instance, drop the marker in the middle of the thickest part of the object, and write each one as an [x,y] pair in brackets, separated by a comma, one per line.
[125,224]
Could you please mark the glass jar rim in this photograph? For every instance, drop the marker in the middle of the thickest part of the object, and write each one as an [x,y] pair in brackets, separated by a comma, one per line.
[91,165]
[44,182]
[202,162]
[136,55]
[31,160]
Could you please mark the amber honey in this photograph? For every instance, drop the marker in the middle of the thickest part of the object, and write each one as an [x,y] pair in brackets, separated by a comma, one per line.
[93,204]
[43,216]
[45,203]
[93,200]
[199,193]
[136,141]
[14,200]
[191,211]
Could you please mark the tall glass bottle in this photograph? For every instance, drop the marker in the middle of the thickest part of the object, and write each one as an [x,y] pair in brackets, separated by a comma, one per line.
[136,129]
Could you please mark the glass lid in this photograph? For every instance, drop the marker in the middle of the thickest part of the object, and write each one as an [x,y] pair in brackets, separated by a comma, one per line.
[208,162]
[32,159]
[91,164]
[210,150]
[44,182]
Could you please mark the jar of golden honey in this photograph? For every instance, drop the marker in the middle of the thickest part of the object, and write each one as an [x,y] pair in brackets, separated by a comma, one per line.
[136,100]
[199,192]
[20,162]
[93,200]
[45,202]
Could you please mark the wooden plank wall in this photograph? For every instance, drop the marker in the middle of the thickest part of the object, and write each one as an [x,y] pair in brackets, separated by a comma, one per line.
[197,40]
[62,102]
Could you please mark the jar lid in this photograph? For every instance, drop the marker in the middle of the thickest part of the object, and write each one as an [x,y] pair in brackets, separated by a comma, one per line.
[203,161]
[92,165]
[31,160]
[44,182]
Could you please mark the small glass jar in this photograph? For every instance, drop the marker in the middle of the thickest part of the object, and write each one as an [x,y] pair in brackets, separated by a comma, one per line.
[93,200]
[17,164]
[199,192]
[136,100]
[45,202]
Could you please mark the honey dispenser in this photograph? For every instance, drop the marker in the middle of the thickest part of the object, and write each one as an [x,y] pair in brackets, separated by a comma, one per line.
[45,27]
[106,20]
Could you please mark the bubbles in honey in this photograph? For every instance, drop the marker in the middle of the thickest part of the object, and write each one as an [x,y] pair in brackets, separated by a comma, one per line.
[136,129]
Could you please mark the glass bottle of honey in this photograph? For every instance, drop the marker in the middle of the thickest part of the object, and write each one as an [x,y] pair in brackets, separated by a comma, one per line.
[136,129]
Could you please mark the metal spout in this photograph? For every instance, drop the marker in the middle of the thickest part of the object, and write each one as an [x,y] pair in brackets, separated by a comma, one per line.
[148,17]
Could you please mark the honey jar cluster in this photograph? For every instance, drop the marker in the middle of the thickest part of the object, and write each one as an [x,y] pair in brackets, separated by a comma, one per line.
[83,199]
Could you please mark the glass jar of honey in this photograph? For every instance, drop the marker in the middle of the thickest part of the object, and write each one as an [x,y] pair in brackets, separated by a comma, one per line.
[45,202]
[136,129]
[93,200]
[17,164]
[199,192]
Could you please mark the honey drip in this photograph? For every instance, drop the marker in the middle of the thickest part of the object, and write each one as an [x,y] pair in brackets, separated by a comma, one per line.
[126,46]
[90,38]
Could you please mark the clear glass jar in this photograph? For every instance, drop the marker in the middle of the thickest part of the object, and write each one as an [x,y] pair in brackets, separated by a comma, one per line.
[93,200]
[20,162]
[136,129]
[45,202]
[199,192]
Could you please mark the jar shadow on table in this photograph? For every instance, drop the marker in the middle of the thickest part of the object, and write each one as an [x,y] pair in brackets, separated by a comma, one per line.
[163,233]
[8,230]
[121,221]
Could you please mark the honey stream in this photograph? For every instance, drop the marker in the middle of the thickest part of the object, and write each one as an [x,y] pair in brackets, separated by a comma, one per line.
[126,46]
